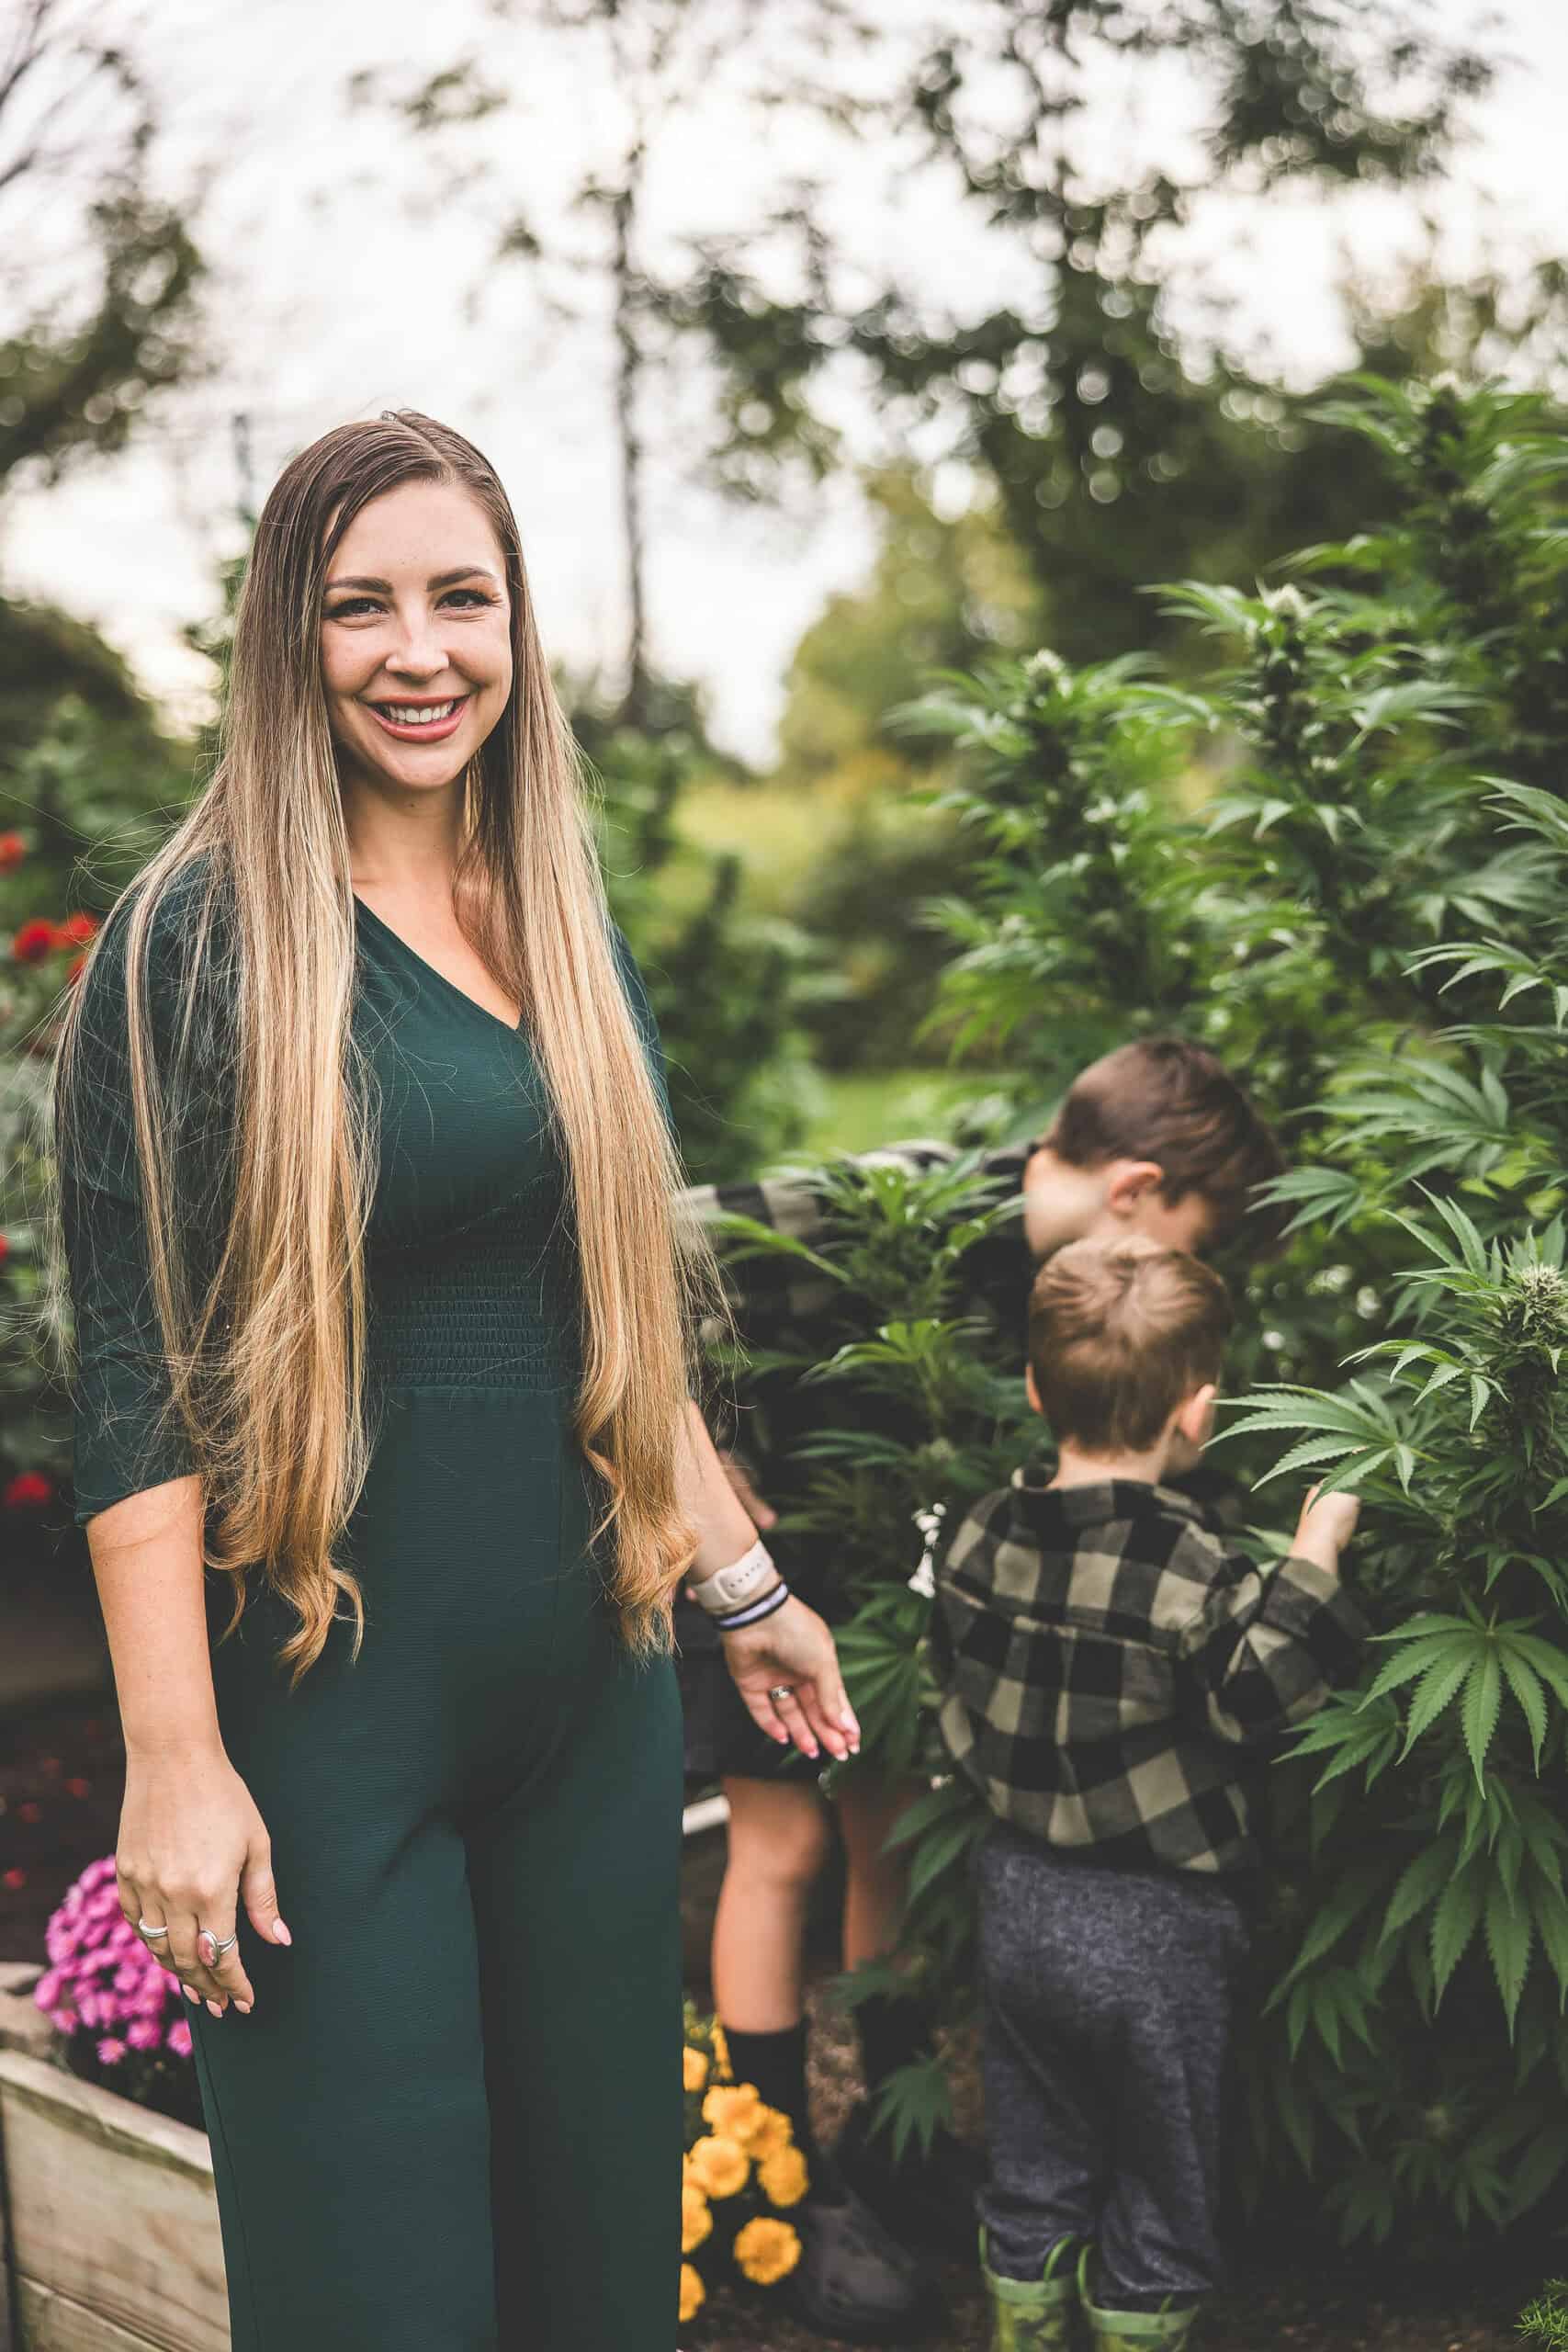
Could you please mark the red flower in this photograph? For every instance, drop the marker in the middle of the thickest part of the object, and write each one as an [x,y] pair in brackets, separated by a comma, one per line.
[75,930]
[28,1490]
[29,1812]
[14,1880]
[33,942]
[5,1248]
[78,1787]
[13,849]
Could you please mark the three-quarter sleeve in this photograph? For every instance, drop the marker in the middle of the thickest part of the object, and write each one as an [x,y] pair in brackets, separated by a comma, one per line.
[127,1438]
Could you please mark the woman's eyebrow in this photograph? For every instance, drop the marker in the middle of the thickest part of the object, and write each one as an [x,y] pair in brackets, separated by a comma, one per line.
[441,580]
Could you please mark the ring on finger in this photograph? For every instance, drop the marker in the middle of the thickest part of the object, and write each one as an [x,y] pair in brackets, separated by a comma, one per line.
[212,1948]
[147,1928]
[781,1690]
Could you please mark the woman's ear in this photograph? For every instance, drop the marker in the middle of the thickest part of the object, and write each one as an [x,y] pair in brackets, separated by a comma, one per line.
[1032,1387]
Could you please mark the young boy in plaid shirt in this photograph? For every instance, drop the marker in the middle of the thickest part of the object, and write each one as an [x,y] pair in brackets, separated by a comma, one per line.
[1114,1674]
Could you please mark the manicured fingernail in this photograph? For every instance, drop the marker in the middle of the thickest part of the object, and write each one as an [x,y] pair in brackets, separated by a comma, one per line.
[215,2008]
[190,1997]
[814,1750]
[280,1934]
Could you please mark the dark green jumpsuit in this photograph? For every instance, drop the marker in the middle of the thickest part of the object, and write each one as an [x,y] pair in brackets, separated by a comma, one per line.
[453,2120]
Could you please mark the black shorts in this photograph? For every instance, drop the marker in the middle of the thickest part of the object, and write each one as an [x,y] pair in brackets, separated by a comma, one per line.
[721,1738]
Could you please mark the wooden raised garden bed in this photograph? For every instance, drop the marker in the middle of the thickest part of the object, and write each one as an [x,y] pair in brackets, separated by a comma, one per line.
[109,2226]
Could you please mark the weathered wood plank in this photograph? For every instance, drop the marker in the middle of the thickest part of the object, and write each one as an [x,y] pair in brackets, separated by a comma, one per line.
[23,2025]
[112,2209]
[53,2322]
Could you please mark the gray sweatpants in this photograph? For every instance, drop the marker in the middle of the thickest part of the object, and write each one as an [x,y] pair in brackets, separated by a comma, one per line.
[1109,1997]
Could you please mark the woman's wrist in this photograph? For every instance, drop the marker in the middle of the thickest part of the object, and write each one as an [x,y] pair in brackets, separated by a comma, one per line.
[721,1591]
[757,1613]
[197,1740]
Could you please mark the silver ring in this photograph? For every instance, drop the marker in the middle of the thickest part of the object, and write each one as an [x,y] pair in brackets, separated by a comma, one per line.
[206,1936]
[145,1928]
[781,1690]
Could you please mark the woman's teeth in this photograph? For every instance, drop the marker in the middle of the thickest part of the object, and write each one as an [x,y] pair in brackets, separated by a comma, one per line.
[411,715]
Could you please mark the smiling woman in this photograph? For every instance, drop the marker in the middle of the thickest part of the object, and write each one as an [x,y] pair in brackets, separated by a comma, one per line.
[366,1185]
[408,637]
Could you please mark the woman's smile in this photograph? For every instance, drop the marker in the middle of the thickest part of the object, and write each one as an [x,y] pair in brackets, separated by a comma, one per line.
[416,722]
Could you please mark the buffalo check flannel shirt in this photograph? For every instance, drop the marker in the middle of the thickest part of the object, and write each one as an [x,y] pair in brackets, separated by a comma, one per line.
[1112,1672]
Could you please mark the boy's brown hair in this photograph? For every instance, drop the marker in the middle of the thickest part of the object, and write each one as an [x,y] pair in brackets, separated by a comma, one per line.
[1167,1099]
[1120,1334]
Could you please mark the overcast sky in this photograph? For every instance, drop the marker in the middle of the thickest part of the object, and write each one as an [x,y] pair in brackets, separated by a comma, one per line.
[331,298]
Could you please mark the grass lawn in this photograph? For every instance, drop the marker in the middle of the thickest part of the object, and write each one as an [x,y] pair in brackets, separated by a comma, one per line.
[862,1108]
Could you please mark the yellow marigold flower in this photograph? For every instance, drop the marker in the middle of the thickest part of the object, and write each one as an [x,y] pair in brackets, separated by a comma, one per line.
[773,2135]
[719,2167]
[697,2222]
[736,2111]
[694,2067]
[767,2250]
[784,2176]
[691,2291]
[720,2047]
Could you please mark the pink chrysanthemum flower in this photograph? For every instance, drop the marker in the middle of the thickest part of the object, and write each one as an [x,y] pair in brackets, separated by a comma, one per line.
[103,1979]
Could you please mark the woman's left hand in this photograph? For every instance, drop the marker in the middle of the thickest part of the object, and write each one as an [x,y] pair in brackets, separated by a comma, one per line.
[786,1669]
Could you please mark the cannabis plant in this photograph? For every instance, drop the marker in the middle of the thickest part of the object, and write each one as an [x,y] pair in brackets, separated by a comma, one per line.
[1338,855]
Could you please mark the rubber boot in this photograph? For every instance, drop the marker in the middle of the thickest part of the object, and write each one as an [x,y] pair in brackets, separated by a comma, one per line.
[1131,2330]
[1035,2314]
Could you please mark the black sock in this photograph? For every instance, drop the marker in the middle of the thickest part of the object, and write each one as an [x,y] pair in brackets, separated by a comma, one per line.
[775,2063]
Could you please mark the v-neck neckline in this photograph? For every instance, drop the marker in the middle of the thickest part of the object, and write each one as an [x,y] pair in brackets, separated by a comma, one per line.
[507,1028]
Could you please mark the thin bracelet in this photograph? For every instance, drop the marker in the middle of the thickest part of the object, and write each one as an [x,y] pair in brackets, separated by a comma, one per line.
[768,1606]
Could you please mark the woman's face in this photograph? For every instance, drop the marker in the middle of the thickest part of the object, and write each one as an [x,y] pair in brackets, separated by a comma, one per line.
[416,645]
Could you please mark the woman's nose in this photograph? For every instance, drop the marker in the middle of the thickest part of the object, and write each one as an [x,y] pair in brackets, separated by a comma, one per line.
[420,652]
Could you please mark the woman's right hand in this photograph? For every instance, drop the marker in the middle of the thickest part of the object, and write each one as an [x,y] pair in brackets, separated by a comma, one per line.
[192,1846]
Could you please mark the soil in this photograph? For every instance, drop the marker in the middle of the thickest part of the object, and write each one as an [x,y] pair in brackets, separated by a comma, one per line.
[60,1775]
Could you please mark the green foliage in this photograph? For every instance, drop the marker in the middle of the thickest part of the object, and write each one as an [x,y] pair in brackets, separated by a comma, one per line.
[1365,915]
[1545,2321]
[1112,446]
[99,273]
[727,987]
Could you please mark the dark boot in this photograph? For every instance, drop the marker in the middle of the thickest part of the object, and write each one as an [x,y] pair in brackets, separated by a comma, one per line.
[927,2199]
[853,2279]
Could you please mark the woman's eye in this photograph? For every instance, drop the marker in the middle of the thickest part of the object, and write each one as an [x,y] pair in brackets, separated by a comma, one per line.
[351,606]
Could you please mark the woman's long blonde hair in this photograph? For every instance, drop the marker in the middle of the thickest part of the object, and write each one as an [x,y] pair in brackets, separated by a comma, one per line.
[266,1350]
